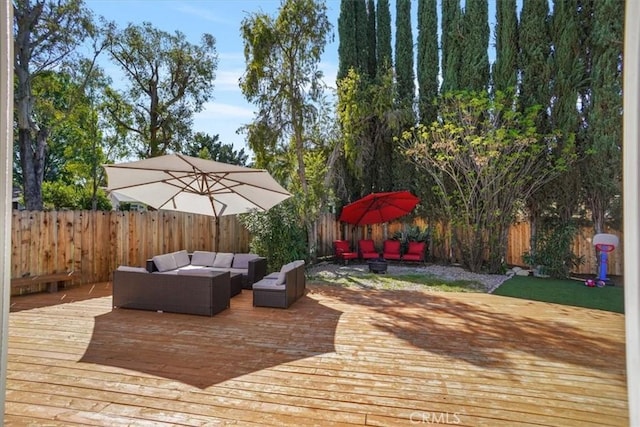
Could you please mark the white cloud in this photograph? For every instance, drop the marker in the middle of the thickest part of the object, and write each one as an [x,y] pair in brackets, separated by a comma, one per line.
[219,111]
[228,80]
[202,13]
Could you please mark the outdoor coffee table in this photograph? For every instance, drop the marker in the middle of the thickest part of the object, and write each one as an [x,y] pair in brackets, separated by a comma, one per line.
[377,265]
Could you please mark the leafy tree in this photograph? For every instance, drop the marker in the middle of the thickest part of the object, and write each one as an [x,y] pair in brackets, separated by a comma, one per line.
[169,79]
[483,167]
[60,196]
[505,68]
[363,112]
[602,167]
[210,147]
[46,33]
[428,68]
[474,70]
[282,78]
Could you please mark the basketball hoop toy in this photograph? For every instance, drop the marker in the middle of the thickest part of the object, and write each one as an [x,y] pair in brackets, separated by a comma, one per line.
[604,243]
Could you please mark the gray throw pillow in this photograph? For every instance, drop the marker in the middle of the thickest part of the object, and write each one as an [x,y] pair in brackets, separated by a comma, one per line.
[223,260]
[165,262]
[203,258]
[242,260]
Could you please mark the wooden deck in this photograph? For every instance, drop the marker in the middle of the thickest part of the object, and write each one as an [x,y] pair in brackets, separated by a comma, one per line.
[336,357]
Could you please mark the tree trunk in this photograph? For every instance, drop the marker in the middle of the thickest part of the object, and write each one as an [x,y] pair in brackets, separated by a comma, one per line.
[32,157]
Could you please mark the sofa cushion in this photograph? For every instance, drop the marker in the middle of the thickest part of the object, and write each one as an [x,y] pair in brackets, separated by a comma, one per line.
[136,269]
[181,257]
[165,262]
[268,285]
[242,260]
[282,276]
[223,260]
[198,272]
[203,258]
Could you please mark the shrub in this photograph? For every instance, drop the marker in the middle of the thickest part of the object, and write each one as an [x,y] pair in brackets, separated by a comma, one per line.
[276,235]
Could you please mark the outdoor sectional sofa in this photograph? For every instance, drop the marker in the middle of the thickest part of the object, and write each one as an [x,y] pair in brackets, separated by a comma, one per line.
[281,289]
[194,292]
[251,266]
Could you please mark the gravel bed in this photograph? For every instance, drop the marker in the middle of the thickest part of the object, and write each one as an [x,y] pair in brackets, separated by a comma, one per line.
[328,271]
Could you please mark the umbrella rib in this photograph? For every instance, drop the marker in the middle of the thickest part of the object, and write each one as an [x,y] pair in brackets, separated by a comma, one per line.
[162,184]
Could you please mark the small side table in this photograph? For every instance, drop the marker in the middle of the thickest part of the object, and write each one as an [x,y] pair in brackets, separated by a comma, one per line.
[378,266]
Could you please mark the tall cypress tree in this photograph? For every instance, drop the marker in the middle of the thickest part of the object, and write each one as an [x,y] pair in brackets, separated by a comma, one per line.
[427,59]
[567,66]
[603,163]
[362,30]
[534,61]
[474,70]
[451,44]
[352,37]
[347,48]
[404,55]
[568,77]
[535,51]
[371,40]
[505,68]
[383,37]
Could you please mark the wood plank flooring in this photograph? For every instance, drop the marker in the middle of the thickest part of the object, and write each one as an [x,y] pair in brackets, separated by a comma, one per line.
[337,357]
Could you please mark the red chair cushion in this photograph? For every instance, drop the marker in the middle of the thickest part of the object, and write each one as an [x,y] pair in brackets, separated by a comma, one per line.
[366,246]
[341,246]
[391,249]
[416,248]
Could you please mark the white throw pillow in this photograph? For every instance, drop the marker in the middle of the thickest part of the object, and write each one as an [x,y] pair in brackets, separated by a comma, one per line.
[203,258]
[223,260]
[181,257]
[165,262]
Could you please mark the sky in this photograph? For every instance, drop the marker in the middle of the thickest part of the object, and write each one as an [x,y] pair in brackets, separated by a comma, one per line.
[228,110]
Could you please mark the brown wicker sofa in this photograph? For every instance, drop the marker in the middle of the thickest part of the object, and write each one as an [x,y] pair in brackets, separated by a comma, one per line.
[195,292]
[281,289]
[251,266]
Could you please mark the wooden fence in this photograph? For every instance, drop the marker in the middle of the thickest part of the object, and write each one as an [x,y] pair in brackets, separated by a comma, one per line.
[96,243]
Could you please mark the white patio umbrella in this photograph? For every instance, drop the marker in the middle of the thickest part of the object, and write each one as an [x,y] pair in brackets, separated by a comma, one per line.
[190,184]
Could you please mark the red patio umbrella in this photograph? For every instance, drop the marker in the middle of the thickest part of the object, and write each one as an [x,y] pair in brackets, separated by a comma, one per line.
[377,208]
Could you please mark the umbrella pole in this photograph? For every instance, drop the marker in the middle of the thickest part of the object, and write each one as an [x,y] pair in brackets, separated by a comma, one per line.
[216,243]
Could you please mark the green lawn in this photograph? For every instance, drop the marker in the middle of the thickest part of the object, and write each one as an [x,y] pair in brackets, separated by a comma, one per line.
[568,292]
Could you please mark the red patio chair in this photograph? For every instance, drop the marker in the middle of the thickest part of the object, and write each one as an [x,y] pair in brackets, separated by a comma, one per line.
[415,252]
[367,249]
[391,250]
[343,252]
